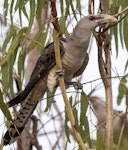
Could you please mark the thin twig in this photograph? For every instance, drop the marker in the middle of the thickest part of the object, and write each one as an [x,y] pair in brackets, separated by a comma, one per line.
[121,12]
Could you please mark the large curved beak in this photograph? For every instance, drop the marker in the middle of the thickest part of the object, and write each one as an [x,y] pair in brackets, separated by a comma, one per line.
[105,19]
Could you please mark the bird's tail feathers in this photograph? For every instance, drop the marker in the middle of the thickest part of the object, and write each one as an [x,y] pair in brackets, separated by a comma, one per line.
[17,127]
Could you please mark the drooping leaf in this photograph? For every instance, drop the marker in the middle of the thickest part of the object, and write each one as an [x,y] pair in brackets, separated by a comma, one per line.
[125,31]
[78,6]
[13,46]
[24,9]
[74,13]
[4,108]
[121,90]
[10,71]
[121,33]
[11,11]
[10,34]
[126,66]
[67,8]
[115,29]
[41,41]
[50,99]
[62,7]
[6,5]
[32,12]
[21,65]
[5,77]
[84,126]
[62,23]
[40,5]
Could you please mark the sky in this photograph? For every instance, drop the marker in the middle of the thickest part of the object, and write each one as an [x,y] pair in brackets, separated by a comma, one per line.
[91,73]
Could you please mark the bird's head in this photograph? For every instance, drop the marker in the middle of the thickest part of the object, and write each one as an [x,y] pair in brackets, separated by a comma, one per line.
[92,21]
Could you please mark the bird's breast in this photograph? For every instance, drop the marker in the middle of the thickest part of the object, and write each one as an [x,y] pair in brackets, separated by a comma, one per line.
[70,65]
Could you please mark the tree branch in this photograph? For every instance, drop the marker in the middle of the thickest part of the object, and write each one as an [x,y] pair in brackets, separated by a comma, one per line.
[61,79]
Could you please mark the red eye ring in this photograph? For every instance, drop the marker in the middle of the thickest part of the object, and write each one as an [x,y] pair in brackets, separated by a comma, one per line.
[92,18]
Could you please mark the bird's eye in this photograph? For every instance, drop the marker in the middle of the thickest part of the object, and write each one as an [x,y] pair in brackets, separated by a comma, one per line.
[92,18]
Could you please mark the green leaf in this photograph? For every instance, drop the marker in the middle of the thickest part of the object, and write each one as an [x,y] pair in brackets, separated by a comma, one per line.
[31,18]
[5,10]
[17,5]
[62,7]
[116,38]
[41,40]
[121,90]
[126,66]
[32,12]
[5,77]
[78,6]
[67,8]
[21,65]
[84,126]
[75,114]
[125,32]
[10,34]
[14,46]
[126,97]
[63,28]
[4,108]
[50,98]
[10,71]
[121,33]
[33,42]
[11,11]
[25,12]
[40,4]
[73,10]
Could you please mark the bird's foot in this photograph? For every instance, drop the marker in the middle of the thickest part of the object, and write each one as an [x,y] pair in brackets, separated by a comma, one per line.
[77,85]
[59,73]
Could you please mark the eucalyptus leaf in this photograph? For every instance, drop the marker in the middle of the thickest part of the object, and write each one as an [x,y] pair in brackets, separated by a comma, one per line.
[4,108]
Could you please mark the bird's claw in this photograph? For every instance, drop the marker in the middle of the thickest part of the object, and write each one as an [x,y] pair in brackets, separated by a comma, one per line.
[77,85]
[59,73]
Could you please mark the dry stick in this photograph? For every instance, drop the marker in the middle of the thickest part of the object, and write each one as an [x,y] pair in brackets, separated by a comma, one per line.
[106,72]
[91,6]
[121,12]
[108,98]
[61,79]
[108,91]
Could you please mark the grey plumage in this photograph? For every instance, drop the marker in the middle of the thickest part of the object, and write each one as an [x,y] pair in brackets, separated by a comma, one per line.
[119,119]
[74,59]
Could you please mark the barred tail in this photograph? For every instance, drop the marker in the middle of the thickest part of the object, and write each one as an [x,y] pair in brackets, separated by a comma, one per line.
[17,127]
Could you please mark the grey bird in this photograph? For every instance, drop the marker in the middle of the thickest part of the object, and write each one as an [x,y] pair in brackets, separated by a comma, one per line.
[119,119]
[74,59]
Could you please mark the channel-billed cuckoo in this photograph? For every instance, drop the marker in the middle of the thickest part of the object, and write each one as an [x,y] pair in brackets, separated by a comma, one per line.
[74,59]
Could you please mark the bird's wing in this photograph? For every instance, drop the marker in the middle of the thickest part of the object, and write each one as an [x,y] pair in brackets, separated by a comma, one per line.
[82,68]
[45,62]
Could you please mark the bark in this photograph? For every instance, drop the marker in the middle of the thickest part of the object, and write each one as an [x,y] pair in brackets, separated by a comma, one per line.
[103,44]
